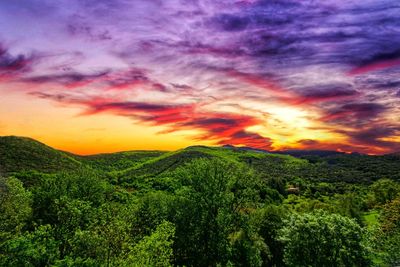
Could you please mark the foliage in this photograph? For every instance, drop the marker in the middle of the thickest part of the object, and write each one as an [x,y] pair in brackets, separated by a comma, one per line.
[19,153]
[388,236]
[321,239]
[199,206]
[154,250]
[215,197]
[15,207]
[36,248]
[383,191]
[269,221]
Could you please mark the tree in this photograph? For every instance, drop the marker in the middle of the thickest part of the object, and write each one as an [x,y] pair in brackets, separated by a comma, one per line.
[15,207]
[321,239]
[84,186]
[212,204]
[269,220]
[389,236]
[154,250]
[71,215]
[384,191]
[108,237]
[36,248]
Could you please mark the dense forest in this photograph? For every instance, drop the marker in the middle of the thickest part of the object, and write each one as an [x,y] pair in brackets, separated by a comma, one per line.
[199,206]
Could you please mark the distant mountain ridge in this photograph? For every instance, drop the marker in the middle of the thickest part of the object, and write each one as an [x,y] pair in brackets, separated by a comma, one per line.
[294,152]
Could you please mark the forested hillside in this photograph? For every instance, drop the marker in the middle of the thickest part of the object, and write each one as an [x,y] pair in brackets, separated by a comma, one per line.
[198,206]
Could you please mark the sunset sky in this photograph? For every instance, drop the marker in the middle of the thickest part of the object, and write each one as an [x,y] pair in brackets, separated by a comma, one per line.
[95,76]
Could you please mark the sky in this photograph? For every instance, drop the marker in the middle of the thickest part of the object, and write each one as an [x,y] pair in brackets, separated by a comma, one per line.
[93,76]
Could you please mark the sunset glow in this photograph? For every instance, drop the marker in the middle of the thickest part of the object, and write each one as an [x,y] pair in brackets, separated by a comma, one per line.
[104,76]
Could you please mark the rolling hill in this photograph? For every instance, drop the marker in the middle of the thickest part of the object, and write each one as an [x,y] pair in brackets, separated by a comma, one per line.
[119,160]
[170,161]
[22,154]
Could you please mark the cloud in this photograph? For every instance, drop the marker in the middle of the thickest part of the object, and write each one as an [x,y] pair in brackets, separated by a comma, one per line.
[248,139]
[259,81]
[225,128]
[78,27]
[156,114]
[376,139]
[354,114]
[230,23]
[308,143]
[220,125]
[13,66]
[152,60]
[323,93]
[69,80]
[382,60]
[105,80]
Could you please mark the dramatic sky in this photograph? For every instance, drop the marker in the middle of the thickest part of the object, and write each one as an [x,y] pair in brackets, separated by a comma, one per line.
[94,76]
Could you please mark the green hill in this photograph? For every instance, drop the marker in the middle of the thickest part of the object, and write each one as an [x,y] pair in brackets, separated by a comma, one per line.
[269,164]
[65,207]
[119,160]
[22,154]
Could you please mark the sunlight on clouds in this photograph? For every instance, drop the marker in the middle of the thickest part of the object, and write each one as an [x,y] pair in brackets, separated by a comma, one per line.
[290,116]
[162,74]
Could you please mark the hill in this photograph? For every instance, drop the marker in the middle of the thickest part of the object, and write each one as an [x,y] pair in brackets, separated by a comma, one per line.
[22,154]
[77,201]
[119,160]
[155,172]
[304,153]
[170,161]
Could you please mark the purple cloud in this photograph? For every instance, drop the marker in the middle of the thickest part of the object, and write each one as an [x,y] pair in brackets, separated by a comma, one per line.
[152,60]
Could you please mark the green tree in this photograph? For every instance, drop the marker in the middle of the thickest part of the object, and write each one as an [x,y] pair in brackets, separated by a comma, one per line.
[384,191]
[321,239]
[104,241]
[389,236]
[150,210]
[36,248]
[84,186]
[350,205]
[269,220]
[15,207]
[212,204]
[109,236]
[154,250]
[71,215]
